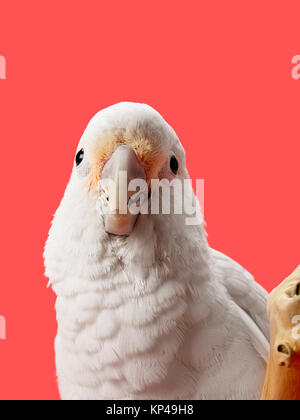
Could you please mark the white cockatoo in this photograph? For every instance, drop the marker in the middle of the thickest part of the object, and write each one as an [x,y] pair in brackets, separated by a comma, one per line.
[145,308]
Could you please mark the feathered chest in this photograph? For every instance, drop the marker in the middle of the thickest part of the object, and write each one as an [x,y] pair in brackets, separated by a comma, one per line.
[123,306]
[121,328]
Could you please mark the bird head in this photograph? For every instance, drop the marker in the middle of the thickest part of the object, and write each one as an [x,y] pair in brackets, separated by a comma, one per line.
[131,138]
[124,143]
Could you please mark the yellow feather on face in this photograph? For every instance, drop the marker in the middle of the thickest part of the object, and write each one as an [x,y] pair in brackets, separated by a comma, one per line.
[151,155]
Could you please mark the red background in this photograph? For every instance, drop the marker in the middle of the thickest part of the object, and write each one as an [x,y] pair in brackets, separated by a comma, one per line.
[219,72]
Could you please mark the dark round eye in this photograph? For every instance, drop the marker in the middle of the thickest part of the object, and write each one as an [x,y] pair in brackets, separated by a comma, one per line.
[79,157]
[174,165]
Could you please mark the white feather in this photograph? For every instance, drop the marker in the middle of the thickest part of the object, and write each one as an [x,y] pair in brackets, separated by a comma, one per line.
[157,315]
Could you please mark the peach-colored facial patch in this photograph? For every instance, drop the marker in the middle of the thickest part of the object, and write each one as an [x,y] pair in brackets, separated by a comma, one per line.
[151,155]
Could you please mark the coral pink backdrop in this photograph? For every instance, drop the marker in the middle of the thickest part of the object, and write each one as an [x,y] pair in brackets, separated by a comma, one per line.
[219,72]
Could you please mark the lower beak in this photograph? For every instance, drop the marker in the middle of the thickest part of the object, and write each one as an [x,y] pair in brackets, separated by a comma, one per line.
[119,224]
[122,167]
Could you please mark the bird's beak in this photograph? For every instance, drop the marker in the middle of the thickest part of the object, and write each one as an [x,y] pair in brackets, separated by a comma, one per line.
[122,167]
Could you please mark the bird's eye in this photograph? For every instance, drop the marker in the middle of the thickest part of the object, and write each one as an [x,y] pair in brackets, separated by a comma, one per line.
[79,157]
[174,165]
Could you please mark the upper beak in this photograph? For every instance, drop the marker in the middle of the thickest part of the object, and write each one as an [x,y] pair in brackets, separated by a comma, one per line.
[122,167]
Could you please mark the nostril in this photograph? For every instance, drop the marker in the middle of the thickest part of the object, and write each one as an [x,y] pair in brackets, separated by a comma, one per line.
[298,289]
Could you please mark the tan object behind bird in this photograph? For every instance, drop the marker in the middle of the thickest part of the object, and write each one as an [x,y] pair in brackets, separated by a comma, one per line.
[283,374]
